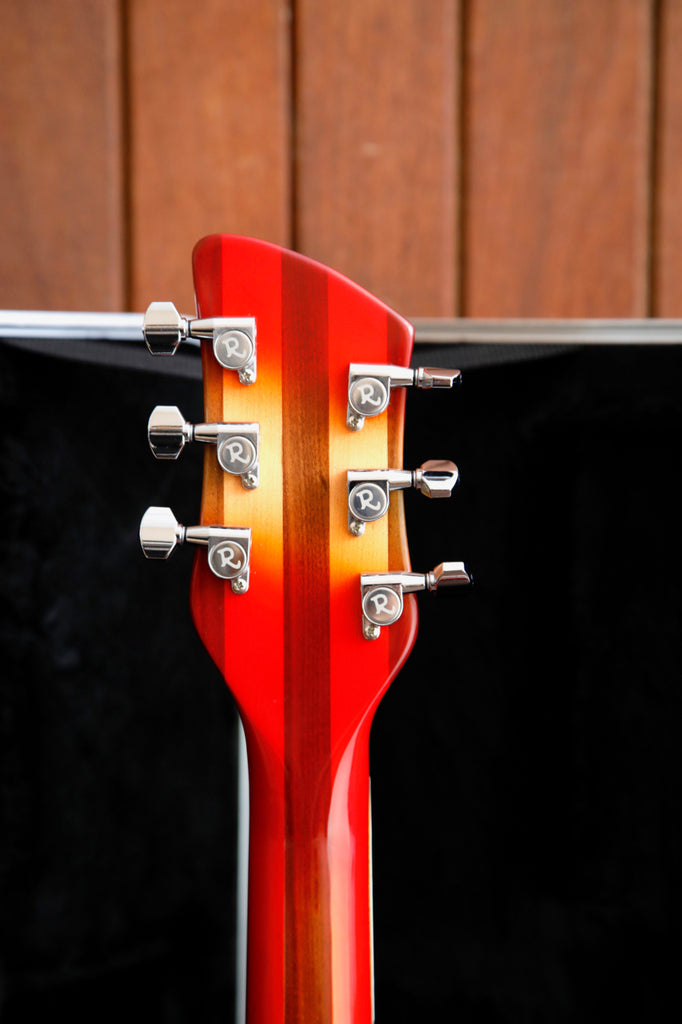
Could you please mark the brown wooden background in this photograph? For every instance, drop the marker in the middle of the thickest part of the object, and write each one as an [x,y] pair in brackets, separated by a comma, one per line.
[474,157]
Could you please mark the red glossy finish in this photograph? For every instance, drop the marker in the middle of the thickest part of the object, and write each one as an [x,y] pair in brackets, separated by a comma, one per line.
[291,649]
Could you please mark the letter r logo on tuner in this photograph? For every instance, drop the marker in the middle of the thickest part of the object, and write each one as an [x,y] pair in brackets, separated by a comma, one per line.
[382,605]
[228,559]
[234,349]
[368,396]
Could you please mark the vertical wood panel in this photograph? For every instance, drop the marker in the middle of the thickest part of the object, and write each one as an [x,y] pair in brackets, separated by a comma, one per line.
[60,155]
[209,109]
[668,184]
[376,193]
[557,157]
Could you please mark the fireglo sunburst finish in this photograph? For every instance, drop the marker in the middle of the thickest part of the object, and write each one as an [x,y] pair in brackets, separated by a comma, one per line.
[292,647]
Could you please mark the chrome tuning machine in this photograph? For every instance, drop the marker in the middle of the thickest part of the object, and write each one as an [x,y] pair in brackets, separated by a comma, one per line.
[233,338]
[382,593]
[237,444]
[229,548]
[369,387]
[369,490]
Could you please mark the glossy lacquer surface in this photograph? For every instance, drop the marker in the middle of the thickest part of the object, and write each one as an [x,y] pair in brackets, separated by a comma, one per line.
[291,649]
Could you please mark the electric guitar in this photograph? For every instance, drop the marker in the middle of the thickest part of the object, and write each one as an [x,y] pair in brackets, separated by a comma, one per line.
[302,590]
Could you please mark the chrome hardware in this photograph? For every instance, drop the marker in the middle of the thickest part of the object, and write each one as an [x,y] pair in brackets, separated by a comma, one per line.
[229,548]
[382,592]
[168,432]
[368,491]
[234,338]
[237,444]
[369,387]
[237,450]
[368,497]
[163,328]
[436,478]
[234,344]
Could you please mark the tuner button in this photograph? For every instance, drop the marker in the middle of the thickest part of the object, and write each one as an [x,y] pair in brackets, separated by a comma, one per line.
[437,478]
[447,574]
[159,532]
[164,328]
[168,432]
[434,377]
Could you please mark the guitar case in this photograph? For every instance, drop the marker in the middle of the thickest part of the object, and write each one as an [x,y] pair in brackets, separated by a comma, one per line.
[526,779]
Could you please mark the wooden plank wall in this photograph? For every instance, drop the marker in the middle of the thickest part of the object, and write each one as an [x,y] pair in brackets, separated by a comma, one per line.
[666,192]
[455,156]
[62,209]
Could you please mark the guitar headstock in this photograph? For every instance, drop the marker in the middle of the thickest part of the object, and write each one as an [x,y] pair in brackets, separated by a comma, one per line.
[303,558]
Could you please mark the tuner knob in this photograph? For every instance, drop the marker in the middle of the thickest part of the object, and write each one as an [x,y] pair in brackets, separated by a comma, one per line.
[164,328]
[447,574]
[237,444]
[159,532]
[369,387]
[233,338]
[168,432]
[382,593]
[229,548]
[436,478]
[368,491]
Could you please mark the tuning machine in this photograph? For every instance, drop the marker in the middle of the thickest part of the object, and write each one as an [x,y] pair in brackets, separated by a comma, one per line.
[237,444]
[229,548]
[369,490]
[369,387]
[382,592]
[233,338]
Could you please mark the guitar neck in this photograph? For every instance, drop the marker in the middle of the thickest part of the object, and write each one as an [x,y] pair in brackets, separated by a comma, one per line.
[309,928]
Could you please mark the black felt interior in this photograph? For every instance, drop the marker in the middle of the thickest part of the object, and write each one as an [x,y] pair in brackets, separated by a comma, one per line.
[526,763]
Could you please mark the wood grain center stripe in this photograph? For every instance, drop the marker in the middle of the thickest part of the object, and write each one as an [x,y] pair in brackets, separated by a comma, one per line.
[306,645]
